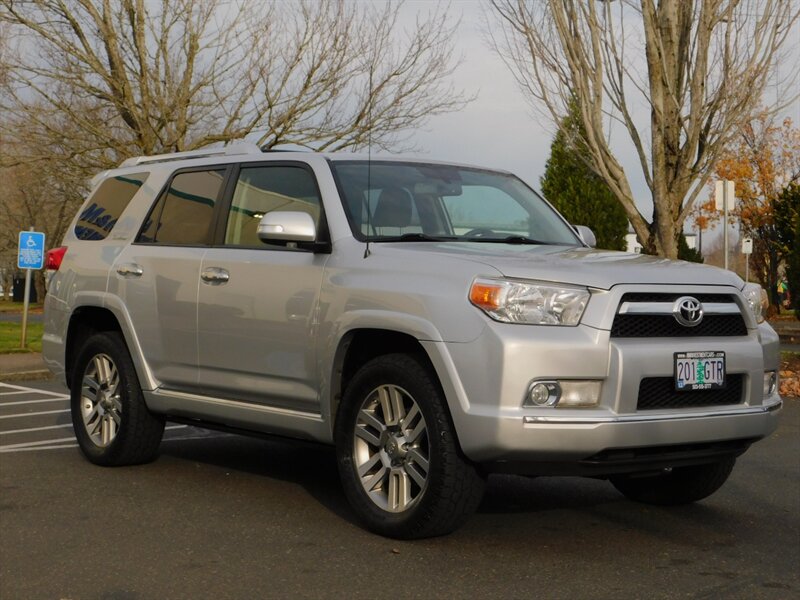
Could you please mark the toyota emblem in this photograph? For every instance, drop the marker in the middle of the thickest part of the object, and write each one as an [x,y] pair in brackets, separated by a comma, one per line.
[688,311]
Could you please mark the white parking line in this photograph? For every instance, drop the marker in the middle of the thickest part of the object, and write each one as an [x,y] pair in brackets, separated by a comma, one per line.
[9,447]
[29,429]
[28,449]
[33,401]
[29,390]
[32,444]
[33,414]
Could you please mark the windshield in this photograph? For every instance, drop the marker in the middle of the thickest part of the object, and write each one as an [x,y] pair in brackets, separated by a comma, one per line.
[391,201]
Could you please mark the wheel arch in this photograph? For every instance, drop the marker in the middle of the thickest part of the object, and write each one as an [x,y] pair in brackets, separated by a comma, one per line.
[84,322]
[88,319]
[360,345]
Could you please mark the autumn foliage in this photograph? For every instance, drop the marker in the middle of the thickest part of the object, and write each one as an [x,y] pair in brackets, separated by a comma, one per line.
[763,160]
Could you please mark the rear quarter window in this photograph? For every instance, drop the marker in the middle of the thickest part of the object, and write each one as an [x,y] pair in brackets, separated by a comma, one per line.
[98,217]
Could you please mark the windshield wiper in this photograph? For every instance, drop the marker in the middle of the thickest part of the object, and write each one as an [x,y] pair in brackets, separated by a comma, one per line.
[416,237]
[511,239]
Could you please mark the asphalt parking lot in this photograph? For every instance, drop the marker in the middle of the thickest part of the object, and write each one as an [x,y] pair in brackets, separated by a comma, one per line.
[221,516]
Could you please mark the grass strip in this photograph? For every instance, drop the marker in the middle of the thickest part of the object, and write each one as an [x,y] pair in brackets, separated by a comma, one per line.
[11,335]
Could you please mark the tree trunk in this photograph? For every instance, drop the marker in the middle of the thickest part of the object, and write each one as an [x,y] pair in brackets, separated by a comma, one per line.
[38,284]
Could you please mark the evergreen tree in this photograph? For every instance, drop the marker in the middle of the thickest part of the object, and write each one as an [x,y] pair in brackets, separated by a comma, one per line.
[579,193]
[686,253]
[787,224]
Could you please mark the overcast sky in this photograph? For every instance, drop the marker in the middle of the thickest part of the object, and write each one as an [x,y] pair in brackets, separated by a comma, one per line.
[499,128]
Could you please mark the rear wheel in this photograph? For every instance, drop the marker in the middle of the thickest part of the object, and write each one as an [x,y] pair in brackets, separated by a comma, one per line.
[680,485]
[399,460]
[109,415]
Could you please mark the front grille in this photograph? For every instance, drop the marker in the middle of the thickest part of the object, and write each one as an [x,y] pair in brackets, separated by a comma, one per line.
[659,392]
[637,326]
[672,296]
[667,326]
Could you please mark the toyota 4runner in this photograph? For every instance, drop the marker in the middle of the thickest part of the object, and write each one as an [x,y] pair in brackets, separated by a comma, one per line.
[435,322]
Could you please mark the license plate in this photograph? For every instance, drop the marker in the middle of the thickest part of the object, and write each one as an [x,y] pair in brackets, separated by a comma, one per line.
[699,371]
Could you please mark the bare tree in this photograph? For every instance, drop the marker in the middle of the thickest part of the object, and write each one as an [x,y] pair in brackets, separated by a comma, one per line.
[43,198]
[85,84]
[136,77]
[704,65]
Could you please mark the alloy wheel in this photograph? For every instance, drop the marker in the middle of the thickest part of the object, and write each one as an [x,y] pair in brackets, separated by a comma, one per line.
[101,407]
[391,449]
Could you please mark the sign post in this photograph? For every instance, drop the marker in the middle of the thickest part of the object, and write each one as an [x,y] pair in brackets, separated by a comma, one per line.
[724,198]
[31,256]
[747,250]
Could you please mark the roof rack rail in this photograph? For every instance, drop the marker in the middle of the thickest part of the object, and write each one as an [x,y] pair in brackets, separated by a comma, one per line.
[286,147]
[232,149]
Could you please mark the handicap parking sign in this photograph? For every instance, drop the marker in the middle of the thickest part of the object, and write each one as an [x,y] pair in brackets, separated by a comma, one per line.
[31,250]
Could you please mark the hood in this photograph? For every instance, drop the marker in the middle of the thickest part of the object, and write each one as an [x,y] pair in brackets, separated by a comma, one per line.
[601,269]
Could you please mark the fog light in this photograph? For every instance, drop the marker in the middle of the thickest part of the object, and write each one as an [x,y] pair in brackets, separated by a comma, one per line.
[770,383]
[579,394]
[565,393]
[543,393]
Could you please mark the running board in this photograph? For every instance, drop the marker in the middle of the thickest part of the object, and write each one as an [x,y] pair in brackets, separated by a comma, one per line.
[237,415]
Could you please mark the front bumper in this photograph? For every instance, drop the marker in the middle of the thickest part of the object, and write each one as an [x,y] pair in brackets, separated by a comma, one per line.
[606,444]
[485,382]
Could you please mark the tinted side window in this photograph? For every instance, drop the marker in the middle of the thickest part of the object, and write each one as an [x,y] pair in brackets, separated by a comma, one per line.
[260,190]
[106,206]
[183,214]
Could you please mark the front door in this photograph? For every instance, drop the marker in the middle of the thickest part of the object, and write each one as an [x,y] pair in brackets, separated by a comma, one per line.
[257,303]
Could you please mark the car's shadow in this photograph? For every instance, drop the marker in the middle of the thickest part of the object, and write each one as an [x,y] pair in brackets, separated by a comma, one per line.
[313,467]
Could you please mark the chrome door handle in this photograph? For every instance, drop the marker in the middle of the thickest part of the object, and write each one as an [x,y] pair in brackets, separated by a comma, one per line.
[129,270]
[215,276]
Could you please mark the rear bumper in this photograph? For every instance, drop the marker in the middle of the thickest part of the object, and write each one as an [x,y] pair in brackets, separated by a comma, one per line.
[56,318]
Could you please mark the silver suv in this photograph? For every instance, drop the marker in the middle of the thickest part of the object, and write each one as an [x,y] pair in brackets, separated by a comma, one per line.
[436,322]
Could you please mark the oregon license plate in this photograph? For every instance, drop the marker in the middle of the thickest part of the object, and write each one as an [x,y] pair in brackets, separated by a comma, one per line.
[699,371]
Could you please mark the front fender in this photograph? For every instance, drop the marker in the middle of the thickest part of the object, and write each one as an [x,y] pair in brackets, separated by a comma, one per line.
[330,355]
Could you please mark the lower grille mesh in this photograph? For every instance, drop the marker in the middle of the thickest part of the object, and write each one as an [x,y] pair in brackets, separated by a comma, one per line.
[659,392]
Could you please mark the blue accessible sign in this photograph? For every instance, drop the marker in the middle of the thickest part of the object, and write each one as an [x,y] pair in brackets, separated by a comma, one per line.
[31,250]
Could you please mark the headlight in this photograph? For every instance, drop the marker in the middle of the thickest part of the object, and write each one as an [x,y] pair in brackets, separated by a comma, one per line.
[756,299]
[530,303]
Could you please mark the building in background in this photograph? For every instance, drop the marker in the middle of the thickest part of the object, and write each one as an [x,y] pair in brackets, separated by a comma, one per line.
[633,245]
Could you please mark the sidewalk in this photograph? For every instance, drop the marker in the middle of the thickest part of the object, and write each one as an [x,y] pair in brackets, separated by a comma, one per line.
[788,330]
[19,367]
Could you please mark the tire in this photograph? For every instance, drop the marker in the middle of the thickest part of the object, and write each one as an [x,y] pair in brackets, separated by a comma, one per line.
[109,415]
[393,424]
[681,485]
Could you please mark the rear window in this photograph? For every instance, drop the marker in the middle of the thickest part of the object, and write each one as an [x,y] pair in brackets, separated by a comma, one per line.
[106,206]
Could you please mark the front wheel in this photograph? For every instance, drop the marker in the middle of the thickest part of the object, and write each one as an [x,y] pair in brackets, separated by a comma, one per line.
[399,461]
[109,415]
[679,485]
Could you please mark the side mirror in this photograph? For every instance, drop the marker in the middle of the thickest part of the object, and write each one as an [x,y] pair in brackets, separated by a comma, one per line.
[586,235]
[287,226]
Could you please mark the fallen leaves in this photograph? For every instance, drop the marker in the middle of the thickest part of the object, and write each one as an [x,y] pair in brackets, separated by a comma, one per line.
[789,377]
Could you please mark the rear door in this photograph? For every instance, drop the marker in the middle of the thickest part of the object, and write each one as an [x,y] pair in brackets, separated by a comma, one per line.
[158,276]
[257,303]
